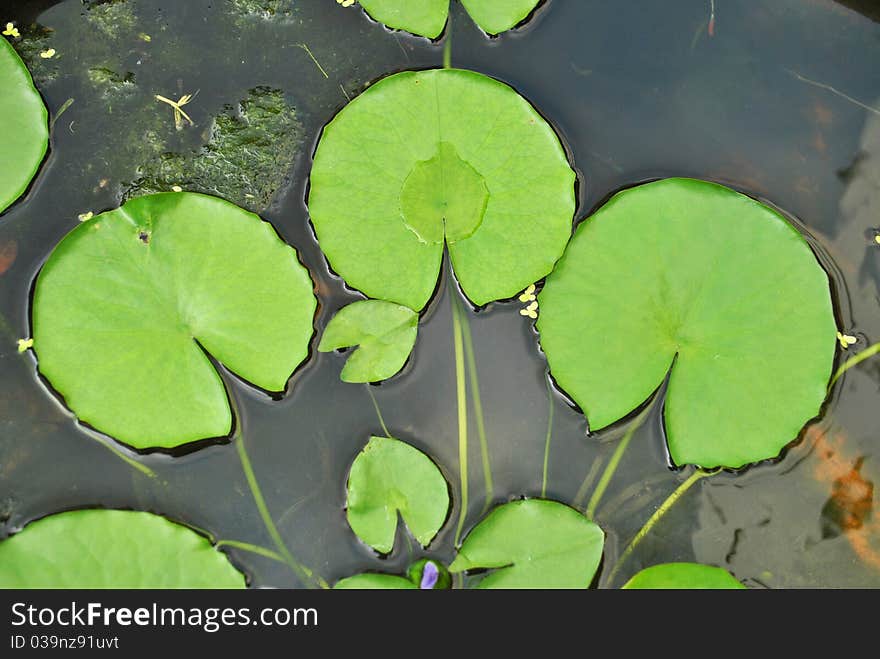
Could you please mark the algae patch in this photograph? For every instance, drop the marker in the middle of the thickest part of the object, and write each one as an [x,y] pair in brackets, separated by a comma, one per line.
[250,150]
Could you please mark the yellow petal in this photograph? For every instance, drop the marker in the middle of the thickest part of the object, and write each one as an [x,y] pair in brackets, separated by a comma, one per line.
[85,217]
[24,344]
[176,188]
[46,54]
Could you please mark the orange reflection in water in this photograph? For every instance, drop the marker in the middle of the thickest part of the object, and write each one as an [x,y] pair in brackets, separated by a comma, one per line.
[849,509]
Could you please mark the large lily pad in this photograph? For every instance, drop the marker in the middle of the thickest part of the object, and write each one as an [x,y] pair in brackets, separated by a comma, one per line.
[112,549]
[683,576]
[424,158]
[131,303]
[390,477]
[691,276]
[428,17]
[533,543]
[384,332]
[24,119]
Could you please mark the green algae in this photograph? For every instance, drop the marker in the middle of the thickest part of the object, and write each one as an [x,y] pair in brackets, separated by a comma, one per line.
[246,159]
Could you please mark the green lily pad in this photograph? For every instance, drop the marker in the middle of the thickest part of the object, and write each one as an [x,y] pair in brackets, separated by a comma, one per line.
[25,122]
[427,158]
[691,276]
[533,544]
[683,576]
[375,581]
[112,549]
[428,17]
[131,303]
[385,333]
[390,476]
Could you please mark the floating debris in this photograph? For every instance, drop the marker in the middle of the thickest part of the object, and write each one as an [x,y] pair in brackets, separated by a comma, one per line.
[11,31]
[179,114]
[47,54]
[25,344]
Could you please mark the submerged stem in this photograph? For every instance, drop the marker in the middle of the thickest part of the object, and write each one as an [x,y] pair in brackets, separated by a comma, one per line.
[478,405]
[614,462]
[378,412]
[547,441]
[653,519]
[461,396]
[868,352]
[254,549]
[144,469]
[304,574]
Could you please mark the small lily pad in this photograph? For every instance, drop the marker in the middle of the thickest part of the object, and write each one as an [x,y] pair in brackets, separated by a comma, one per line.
[693,277]
[533,544]
[131,303]
[385,333]
[428,17]
[683,576]
[424,159]
[390,477]
[25,122]
[375,581]
[112,549]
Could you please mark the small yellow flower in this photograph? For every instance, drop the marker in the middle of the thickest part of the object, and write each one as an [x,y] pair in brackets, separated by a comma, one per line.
[345,3]
[85,217]
[528,295]
[48,54]
[25,344]
[146,38]
[530,311]
[846,340]
[11,31]
[176,188]
[877,239]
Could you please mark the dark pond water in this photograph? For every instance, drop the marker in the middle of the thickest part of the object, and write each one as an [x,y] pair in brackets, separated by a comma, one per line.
[777,102]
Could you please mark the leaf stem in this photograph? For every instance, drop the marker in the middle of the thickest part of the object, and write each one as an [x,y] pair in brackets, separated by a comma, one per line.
[614,462]
[547,441]
[254,549]
[304,573]
[378,412]
[868,352]
[653,519]
[447,48]
[144,469]
[478,405]
[461,396]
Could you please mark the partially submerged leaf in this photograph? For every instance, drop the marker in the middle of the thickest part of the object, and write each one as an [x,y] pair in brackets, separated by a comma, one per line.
[375,581]
[385,333]
[428,17]
[112,549]
[25,123]
[691,276]
[533,544]
[683,576]
[424,158]
[131,303]
[390,476]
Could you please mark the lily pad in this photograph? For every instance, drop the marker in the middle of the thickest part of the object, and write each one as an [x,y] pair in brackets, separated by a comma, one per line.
[533,543]
[25,122]
[131,304]
[694,277]
[390,476]
[385,333]
[375,581]
[428,17]
[427,158]
[683,576]
[112,549]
